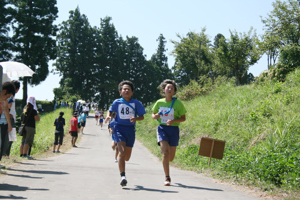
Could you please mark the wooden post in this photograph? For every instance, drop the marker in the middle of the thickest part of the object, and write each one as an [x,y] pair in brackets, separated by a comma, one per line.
[211,151]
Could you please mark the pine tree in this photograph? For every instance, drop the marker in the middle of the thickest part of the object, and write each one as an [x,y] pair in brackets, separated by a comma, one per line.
[33,37]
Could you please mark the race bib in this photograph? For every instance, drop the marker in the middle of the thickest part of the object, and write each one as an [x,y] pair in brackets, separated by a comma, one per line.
[125,112]
[166,117]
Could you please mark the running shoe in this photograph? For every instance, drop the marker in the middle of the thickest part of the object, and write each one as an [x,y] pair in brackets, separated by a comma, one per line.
[123,181]
[57,151]
[167,181]
[29,157]
[53,151]
[116,160]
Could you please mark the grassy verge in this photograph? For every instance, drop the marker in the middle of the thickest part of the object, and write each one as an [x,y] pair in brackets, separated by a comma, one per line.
[44,137]
[260,124]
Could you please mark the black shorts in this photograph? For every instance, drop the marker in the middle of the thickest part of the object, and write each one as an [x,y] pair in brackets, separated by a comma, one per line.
[83,124]
[74,133]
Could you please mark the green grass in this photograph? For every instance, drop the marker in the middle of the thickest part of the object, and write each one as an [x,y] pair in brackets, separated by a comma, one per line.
[44,136]
[260,124]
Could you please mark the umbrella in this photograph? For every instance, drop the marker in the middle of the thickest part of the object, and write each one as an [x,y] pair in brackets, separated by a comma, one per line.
[16,69]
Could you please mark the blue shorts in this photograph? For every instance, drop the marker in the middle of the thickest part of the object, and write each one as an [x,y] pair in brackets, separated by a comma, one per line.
[125,134]
[169,134]
[101,120]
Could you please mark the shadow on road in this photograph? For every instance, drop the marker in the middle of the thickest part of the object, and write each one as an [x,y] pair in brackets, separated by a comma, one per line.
[23,176]
[9,187]
[11,197]
[40,172]
[195,187]
[139,188]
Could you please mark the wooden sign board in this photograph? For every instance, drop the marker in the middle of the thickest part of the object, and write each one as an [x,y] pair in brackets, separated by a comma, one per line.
[212,148]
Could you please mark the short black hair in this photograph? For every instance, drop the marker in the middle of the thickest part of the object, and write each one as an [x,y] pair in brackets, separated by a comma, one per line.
[16,84]
[126,83]
[166,82]
[9,87]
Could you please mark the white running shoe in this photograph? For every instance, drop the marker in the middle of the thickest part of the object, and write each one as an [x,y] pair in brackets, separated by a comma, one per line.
[123,181]
[116,160]
[167,181]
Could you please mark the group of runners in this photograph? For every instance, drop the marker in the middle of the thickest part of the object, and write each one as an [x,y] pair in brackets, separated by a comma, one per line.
[122,117]
[125,112]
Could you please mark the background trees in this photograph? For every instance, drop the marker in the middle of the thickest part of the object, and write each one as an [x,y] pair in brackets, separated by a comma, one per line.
[238,53]
[5,19]
[33,39]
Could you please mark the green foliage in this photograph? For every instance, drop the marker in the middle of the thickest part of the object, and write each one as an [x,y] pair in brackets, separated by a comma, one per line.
[238,53]
[44,136]
[34,37]
[5,19]
[260,124]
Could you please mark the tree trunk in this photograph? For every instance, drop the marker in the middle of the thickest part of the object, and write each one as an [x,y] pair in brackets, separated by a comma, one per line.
[25,80]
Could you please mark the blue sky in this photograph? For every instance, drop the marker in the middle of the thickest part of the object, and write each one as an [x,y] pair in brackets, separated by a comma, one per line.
[148,19]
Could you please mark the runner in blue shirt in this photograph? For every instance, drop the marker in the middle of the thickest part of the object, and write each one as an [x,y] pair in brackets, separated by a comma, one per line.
[128,112]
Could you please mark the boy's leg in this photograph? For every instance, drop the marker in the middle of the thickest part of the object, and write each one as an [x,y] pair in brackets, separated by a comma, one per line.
[172,153]
[122,151]
[165,148]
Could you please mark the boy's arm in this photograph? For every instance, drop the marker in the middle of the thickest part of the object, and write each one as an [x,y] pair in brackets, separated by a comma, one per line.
[171,121]
[134,119]
[107,117]
[155,116]
[7,116]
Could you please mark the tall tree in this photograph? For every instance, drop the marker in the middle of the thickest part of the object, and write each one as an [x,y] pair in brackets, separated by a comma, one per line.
[76,56]
[108,65]
[282,27]
[33,37]
[5,19]
[239,53]
[194,56]
[160,60]
[284,22]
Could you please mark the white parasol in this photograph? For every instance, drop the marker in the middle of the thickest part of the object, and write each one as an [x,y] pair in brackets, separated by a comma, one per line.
[16,69]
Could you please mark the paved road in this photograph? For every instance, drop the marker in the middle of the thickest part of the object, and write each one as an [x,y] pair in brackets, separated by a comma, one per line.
[89,172]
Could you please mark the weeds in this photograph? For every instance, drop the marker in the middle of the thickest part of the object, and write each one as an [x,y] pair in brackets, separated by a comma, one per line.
[261,126]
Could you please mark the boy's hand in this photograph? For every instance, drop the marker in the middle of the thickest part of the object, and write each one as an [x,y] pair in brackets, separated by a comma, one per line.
[106,119]
[170,122]
[155,116]
[9,129]
[132,120]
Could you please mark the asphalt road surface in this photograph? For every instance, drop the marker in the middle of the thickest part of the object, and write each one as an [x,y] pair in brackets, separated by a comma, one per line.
[90,172]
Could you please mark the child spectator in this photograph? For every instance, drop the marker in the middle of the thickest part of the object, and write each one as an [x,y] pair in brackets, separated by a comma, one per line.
[74,129]
[59,124]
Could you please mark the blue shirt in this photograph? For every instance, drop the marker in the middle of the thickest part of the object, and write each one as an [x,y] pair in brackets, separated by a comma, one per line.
[82,116]
[59,124]
[124,112]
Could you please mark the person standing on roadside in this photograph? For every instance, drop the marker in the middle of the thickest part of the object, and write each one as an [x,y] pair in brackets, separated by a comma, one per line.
[128,112]
[74,129]
[169,112]
[8,90]
[12,112]
[82,121]
[59,124]
[29,117]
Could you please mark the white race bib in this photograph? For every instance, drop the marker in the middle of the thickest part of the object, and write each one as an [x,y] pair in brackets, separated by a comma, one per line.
[125,112]
[166,117]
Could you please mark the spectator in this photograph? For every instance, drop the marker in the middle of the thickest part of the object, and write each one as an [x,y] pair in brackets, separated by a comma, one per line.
[59,124]
[29,116]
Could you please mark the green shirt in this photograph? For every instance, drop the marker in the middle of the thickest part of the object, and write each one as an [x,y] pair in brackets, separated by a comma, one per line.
[177,111]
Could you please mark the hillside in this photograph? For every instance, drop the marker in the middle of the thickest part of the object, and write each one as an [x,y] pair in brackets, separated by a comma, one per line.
[260,124]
